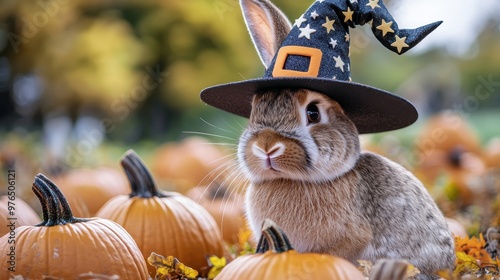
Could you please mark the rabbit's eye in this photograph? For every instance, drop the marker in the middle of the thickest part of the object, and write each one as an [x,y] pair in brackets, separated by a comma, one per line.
[312,113]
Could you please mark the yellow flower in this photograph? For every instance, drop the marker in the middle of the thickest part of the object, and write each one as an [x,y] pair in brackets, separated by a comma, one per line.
[166,266]
[466,263]
[244,235]
[217,265]
[244,241]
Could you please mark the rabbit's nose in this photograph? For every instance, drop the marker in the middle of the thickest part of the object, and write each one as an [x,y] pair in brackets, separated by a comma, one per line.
[273,152]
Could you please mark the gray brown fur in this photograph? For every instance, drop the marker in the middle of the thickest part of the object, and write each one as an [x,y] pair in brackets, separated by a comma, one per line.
[329,197]
[315,183]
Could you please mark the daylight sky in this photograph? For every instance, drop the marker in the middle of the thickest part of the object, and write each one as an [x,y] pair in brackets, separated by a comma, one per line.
[461,21]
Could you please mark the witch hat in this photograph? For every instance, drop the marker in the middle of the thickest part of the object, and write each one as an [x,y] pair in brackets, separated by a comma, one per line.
[314,54]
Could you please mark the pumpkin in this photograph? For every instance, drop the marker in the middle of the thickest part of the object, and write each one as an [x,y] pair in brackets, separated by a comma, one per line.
[225,206]
[88,189]
[64,247]
[189,163]
[167,223]
[390,270]
[275,259]
[445,132]
[447,145]
[492,153]
[24,214]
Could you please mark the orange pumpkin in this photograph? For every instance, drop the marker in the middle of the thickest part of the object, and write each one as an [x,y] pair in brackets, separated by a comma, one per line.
[447,145]
[275,259]
[445,132]
[64,247]
[88,189]
[189,163]
[226,207]
[24,214]
[167,223]
[492,153]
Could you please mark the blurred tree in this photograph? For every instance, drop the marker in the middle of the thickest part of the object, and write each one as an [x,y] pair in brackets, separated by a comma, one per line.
[133,69]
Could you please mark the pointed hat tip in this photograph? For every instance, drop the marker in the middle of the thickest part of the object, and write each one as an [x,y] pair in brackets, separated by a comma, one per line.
[434,25]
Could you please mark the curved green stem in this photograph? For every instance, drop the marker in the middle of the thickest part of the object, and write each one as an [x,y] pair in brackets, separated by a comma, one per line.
[273,238]
[55,207]
[140,178]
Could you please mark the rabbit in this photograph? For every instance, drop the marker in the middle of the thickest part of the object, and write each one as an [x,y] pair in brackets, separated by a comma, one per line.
[301,154]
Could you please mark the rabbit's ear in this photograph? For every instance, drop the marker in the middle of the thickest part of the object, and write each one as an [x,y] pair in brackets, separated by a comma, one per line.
[268,27]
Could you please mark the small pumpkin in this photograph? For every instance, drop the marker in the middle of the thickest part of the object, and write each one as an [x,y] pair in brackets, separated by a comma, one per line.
[275,259]
[24,214]
[88,189]
[65,247]
[167,223]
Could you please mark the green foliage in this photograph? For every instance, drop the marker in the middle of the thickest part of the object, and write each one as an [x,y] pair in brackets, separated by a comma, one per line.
[97,54]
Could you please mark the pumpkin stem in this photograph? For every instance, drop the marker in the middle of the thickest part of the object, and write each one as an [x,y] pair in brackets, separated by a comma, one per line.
[55,207]
[47,200]
[273,238]
[140,178]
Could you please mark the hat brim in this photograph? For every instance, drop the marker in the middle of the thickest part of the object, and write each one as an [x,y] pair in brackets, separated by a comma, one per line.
[370,109]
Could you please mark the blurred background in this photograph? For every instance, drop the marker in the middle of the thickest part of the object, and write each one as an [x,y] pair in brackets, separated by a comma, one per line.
[82,81]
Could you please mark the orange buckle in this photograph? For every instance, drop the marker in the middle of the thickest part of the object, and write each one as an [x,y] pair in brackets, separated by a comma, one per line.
[314,63]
